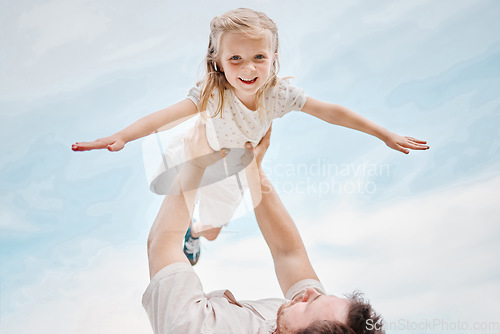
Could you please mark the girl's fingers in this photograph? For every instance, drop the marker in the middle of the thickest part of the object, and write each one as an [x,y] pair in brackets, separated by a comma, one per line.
[418,146]
[115,146]
[417,140]
[79,147]
[403,149]
[404,144]
[421,147]
[87,146]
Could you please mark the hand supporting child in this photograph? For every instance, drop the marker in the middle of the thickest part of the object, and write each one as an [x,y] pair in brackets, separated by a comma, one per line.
[198,151]
[238,98]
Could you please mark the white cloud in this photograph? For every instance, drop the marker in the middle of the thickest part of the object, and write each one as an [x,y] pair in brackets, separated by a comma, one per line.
[137,48]
[13,219]
[424,256]
[34,195]
[427,253]
[59,22]
[103,298]
[428,256]
[399,11]
[243,266]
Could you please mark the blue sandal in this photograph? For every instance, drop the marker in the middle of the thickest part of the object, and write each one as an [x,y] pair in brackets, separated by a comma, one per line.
[191,247]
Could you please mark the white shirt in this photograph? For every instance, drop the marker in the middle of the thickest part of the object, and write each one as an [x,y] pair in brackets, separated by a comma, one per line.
[176,304]
[237,124]
[232,128]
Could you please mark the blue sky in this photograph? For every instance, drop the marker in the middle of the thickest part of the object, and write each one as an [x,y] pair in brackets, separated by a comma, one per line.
[418,233]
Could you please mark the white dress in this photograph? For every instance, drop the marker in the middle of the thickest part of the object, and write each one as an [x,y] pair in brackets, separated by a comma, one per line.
[219,196]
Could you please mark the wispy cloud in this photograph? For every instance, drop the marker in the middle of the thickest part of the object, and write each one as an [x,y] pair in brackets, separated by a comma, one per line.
[78,70]
[427,256]
[429,253]
[131,50]
[58,22]
[104,297]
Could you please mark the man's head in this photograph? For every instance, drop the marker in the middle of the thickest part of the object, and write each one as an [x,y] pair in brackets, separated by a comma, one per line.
[314,313]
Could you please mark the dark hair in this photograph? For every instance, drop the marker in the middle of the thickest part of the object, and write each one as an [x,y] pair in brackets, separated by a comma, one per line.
[361,319]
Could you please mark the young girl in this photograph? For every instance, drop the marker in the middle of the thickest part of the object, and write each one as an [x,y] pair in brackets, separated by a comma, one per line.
[237,100]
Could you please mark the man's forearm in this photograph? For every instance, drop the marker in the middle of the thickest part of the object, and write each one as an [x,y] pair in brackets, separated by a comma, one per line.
[167,233]
[275,222]
[287,249]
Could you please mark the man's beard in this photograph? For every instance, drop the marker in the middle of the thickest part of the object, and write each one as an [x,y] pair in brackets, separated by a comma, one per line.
[280,325]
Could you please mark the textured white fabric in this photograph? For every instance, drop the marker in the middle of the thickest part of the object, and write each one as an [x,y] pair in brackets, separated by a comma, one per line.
[175,303]
[233,128]
[237,124]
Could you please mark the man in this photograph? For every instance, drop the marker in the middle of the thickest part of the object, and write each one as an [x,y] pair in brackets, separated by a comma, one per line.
[175,300]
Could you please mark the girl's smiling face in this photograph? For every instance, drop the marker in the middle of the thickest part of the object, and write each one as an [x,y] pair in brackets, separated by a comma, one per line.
[246,63]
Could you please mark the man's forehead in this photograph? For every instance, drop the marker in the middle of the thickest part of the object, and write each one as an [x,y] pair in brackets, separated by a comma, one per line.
[338,306]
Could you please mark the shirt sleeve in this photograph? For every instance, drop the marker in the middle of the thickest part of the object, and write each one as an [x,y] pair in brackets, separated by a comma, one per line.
[175,303]
[194,94]
[300,286]
[174,300]
[287,98]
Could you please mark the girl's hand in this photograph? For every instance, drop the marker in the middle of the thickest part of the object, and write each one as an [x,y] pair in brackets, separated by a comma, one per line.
[404,144]
[112,143]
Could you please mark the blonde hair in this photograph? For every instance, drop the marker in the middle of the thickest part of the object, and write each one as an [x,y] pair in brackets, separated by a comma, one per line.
[241,20]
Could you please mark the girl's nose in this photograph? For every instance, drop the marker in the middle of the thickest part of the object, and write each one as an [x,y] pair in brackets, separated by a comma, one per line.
[249,66]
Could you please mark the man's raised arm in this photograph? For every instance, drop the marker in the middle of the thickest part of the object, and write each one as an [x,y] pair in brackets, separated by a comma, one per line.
[287,249]
[167,233]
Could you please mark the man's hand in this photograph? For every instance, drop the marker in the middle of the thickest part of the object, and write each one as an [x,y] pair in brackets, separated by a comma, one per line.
[198,151]
[260,150]
[167,233]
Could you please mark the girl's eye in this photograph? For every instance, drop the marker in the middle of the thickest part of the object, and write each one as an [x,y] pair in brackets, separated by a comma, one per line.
[235,58]
[259,57]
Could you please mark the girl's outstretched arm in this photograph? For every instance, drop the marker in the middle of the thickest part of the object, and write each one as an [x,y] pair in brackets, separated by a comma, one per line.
[142,127]
[339,115]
